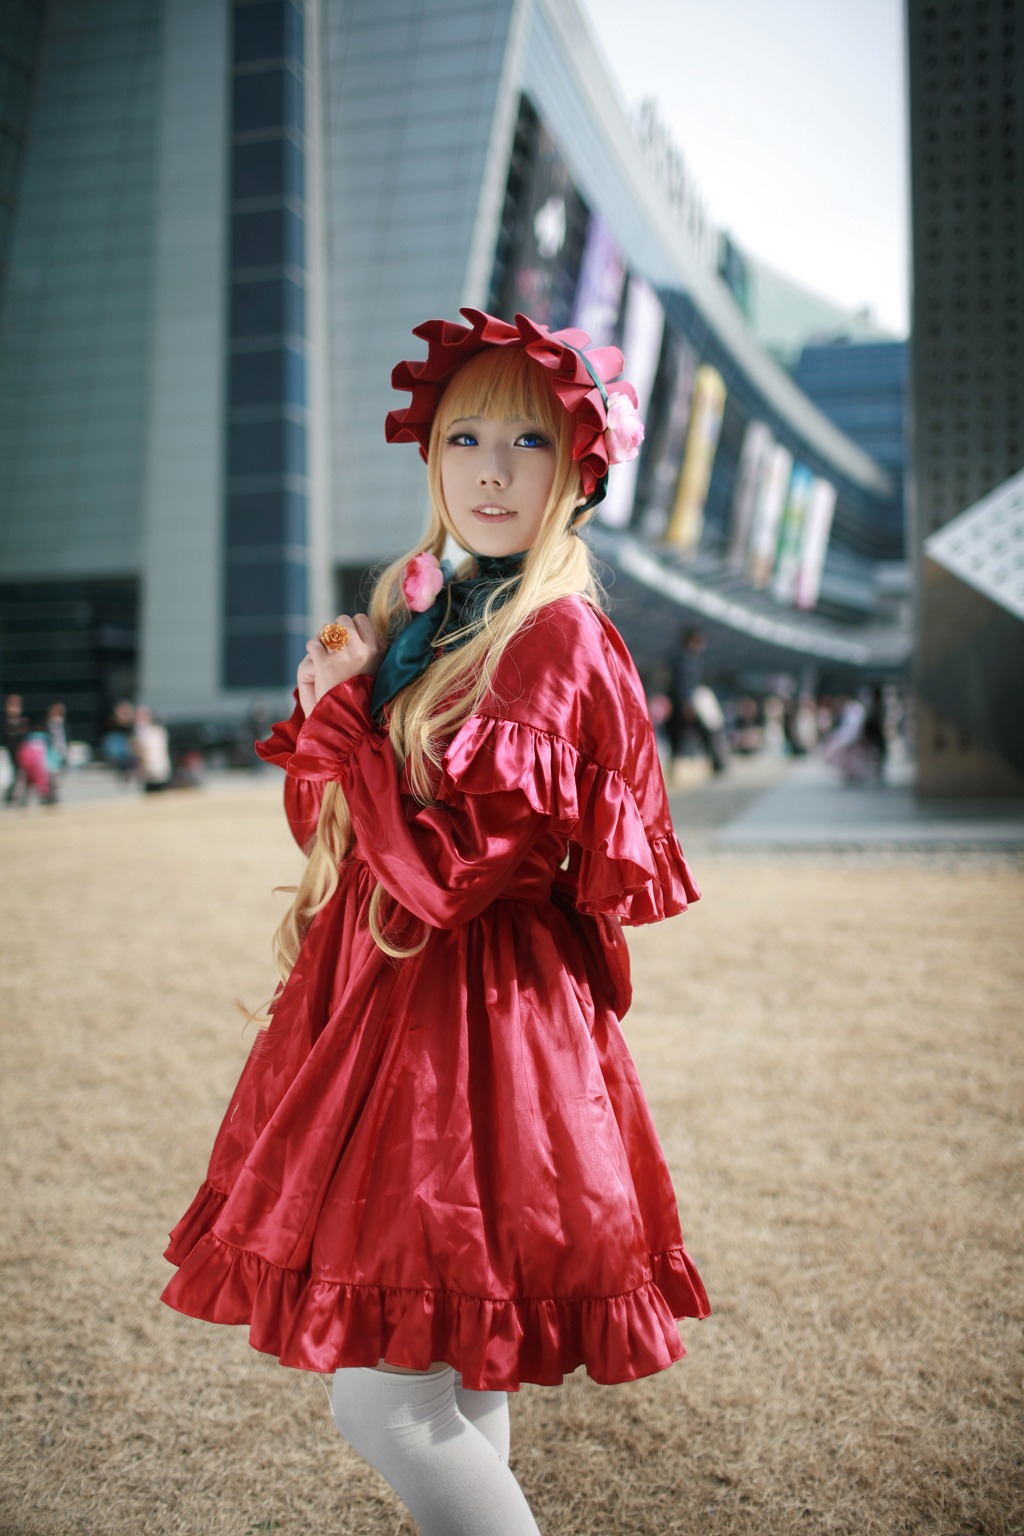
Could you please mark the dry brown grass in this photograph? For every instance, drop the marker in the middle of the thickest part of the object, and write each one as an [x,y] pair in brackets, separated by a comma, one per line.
[834,1053]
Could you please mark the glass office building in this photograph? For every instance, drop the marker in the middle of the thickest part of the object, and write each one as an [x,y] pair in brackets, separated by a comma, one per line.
[222,219]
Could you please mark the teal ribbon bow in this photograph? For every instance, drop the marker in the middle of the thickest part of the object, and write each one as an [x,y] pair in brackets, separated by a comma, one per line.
[459,605]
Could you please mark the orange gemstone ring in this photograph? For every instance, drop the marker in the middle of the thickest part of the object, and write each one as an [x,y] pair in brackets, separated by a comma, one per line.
[334,637]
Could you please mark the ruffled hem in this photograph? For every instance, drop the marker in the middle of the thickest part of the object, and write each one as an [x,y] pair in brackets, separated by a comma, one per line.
[496,1345]
[621,870]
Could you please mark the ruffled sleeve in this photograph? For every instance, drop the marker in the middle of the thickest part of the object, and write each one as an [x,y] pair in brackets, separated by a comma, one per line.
[619,866]
[301,796]
[443,865]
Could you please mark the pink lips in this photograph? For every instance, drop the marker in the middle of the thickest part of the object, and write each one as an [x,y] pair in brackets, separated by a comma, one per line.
[492,517]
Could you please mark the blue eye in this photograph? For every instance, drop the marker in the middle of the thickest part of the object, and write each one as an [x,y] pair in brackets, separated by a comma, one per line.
[461,440]
[532,440]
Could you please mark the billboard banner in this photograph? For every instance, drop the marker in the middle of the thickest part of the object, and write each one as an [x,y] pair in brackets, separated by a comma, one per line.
[768,505]
[665,444]
[687,521]
[757,444]
[791,534]
[598,301]
[641,343]
[818,527]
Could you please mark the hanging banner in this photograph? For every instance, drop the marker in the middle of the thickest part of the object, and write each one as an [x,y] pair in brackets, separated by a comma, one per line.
[665,444]
[687,521]
[598,301]
[641,344]
[818,526]
[771,498]
[791,534]
[757,444]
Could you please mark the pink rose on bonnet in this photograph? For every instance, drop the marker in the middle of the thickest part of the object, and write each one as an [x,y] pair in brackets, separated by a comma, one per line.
[422,580]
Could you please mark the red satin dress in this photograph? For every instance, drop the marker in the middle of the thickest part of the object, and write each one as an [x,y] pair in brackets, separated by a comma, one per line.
[450,1157]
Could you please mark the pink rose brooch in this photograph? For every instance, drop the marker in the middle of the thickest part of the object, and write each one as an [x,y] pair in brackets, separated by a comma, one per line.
[422,580]
[625,430]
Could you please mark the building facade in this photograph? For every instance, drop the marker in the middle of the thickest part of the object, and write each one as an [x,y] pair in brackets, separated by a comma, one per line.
[229,215]
[966,73]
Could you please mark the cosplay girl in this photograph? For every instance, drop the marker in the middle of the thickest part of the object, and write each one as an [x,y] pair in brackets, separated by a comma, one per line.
[438,1176]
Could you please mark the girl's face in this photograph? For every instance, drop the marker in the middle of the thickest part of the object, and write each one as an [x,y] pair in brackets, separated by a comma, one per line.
[496,478]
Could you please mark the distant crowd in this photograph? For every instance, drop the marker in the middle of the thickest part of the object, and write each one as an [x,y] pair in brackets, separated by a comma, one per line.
[134,746]
[849,731]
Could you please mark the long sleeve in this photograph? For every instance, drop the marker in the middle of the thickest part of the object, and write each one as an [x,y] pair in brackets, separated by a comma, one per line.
[445,863]
[301,796]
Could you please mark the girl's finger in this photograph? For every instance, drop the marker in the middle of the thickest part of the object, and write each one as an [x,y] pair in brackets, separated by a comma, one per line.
[364,628]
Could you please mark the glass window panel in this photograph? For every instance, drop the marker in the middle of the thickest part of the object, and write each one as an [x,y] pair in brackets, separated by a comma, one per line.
[259,31]
[273,447]
[270,307]
[258,169]
[268,378]
[258,239]
[294,378]
[256,448]
[13,93]
[257,518]
[261,661]
[294,308]
[294,170]
[294,102]
[258,100]
[295,32]
[266,587]
[257,309]
[267,238]
[9,157]
[294,239]
[21,25]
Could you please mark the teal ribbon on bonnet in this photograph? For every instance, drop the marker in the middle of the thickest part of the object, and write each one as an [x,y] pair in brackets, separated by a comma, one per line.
[459,605]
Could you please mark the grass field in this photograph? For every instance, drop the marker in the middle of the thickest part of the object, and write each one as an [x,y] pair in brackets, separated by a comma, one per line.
[834,1051]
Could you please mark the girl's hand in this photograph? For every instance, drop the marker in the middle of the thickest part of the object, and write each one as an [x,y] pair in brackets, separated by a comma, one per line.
[362,655]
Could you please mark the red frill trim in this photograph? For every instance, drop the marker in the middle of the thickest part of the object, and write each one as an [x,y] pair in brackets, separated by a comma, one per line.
[278,747]
[624,870]
[319,1325]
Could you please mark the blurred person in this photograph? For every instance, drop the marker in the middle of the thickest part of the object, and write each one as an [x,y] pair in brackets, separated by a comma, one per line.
[57,736]
[696,713]
[748,729]
[438,1177]
[805,725]
[16,728]
[150,751]
[116,744]
[856,745]
[773,736]
[35,775]
[801,725]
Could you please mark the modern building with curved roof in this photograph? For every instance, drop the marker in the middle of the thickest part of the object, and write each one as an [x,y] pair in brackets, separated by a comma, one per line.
[223,221]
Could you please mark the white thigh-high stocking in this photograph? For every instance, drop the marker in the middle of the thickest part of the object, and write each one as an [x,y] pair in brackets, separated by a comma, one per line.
[487,1412]
[448,1474]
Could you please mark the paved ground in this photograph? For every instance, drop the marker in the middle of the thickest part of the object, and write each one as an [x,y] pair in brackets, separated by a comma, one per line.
[810,807]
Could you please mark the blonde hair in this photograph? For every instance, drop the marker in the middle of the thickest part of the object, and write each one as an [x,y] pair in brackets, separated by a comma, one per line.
[504,384]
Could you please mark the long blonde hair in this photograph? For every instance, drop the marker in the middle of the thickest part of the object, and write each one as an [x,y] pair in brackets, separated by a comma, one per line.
[504,384]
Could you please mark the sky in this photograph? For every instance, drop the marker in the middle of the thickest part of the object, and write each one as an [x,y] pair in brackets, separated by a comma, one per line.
[790,115]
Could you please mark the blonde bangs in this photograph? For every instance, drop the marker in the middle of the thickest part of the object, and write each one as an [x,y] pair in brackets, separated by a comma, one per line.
[504,384]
